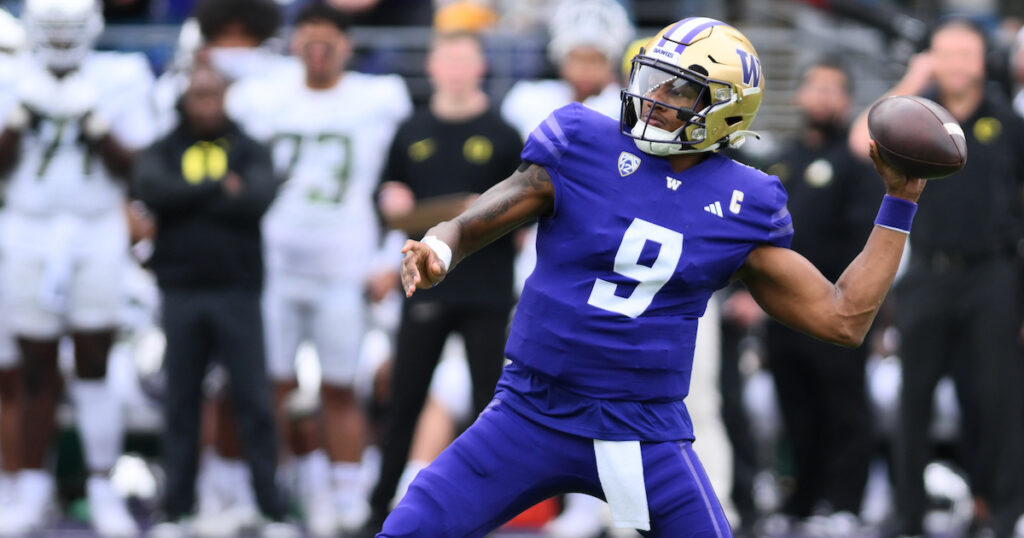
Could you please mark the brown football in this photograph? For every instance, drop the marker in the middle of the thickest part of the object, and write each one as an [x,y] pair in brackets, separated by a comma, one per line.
[917,136]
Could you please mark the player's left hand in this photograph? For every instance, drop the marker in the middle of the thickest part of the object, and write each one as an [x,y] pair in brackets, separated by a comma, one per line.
[896,183]
[421,267]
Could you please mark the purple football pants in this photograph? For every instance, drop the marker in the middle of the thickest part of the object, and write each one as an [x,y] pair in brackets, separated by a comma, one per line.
[504,463]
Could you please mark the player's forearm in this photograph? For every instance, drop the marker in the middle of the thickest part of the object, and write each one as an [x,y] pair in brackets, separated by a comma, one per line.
[524,196]
[428,212]
[117,158]
[485,220]
[862,287]
[252,202]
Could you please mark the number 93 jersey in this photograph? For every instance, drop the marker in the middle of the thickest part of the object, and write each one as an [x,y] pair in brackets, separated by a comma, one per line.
[603,337]
[329,146]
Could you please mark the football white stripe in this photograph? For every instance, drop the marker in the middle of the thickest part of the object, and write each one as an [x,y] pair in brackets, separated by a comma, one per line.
[954,129]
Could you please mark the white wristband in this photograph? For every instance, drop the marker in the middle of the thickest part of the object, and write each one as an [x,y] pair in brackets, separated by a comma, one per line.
[440,248]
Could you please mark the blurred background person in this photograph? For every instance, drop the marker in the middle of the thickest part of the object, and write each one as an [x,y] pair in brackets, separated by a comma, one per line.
[588,38]
[208,186]
[957,304]
[237,36]
[821,388]
[440,160]
[321,236]
[67,149]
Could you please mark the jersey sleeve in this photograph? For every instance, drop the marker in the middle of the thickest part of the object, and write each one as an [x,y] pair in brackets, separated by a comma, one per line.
[779,231]
[552,138]
[247,103]
[129,78]
[393,91]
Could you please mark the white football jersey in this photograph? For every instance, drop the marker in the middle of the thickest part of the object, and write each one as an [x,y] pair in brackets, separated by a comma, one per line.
[56,173]
[529,102]
[330,147]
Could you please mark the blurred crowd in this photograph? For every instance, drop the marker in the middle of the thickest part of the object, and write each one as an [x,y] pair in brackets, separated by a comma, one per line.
[199,270]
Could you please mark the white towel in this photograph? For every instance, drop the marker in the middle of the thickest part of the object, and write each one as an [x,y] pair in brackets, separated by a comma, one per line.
[620,467]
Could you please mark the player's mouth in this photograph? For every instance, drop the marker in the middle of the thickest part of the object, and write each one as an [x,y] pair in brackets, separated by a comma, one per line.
[655,121]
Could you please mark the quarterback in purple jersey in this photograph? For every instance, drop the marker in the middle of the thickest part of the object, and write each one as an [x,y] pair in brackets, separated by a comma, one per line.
[640,221]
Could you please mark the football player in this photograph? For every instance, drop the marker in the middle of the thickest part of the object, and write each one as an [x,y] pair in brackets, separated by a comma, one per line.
[640,221]
[330,129]
[67,146]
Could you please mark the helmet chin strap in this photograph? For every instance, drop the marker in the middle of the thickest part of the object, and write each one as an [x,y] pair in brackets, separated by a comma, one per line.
[658,148]
[663,149]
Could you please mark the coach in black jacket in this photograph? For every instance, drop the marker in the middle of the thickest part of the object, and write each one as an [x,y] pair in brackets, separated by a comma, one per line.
[209,185]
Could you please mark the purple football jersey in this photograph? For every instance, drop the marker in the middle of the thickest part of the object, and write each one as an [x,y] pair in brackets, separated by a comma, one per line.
[603,337]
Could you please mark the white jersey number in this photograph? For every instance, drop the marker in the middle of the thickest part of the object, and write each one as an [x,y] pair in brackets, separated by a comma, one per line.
[627,263]
[339,145]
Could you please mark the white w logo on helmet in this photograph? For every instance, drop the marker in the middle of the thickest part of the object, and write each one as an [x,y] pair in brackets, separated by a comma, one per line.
[751,68]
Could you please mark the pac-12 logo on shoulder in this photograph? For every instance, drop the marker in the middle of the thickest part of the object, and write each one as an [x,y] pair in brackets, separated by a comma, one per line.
[628,163]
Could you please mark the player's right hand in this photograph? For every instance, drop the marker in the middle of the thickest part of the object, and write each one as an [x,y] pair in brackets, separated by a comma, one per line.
[421,267]
[896,183]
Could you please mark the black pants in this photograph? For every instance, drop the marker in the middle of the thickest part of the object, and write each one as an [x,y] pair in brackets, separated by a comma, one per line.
[425,328]
[964,321]
[821,390]
[226,325]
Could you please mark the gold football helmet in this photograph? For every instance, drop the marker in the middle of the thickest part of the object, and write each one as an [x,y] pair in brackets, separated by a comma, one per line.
[700,61]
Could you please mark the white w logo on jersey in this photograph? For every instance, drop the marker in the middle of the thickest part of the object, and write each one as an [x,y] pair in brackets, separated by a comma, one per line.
[672,183]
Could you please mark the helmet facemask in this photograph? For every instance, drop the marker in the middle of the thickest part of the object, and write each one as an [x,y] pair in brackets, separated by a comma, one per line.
[62,40]
[660,88]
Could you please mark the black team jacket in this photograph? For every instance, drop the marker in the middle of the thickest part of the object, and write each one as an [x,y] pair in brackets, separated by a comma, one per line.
[206,238]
